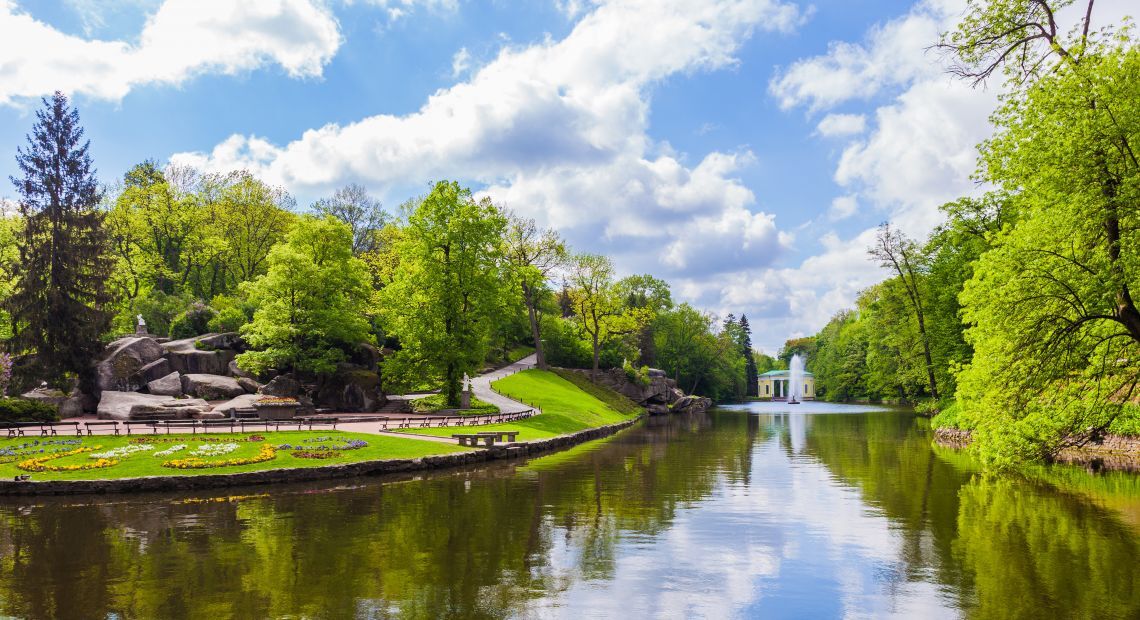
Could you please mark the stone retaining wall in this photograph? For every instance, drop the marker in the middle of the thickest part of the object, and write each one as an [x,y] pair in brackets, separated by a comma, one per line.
[301,474]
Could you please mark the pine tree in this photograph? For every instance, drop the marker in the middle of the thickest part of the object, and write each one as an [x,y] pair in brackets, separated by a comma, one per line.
[57,306]
[750,372]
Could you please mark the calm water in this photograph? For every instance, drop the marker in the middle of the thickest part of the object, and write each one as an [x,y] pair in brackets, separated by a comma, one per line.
[747,512]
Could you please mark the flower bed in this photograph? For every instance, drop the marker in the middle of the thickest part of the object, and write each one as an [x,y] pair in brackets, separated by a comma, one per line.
[267,453]
[217,449]
[171,450]
[121,452]
[41,463]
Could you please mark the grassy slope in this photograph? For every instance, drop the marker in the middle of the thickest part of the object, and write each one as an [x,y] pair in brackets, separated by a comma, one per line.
[566,407]
[144,464]
[437,402]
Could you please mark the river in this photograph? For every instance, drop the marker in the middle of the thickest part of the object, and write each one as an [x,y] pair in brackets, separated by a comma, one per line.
[759,510]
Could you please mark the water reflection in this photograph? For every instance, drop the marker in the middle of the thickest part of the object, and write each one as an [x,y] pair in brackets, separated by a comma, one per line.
[756,511]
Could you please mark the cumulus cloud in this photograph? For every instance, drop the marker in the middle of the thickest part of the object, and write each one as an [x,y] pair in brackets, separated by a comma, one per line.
[557,130]
[460,62]
[843,207]
[182,39]
[841,125]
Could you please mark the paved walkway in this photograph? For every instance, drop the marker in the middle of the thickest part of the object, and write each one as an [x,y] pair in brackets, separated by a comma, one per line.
[481,386]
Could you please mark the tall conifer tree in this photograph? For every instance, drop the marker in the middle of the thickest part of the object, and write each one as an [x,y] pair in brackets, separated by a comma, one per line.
[57,306]
[751,376]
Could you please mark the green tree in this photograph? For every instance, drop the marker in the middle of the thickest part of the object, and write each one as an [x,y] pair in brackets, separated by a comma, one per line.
[446,287]
[532,256]
[364,214]
[1054,328]
[58,305]
[598,306]
[311,303]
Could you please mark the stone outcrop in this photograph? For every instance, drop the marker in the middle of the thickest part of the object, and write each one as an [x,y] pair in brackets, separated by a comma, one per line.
[281,385]
[245,401]
[116,405]
[157,369]
[67,406]
[170,385]
[692,404]
[211,387]
[234,371]
[249,385]
[200,355]
[656,392]
[120,366]
[351,389]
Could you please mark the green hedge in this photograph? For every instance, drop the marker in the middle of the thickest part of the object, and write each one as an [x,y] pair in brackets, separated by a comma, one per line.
[24,410]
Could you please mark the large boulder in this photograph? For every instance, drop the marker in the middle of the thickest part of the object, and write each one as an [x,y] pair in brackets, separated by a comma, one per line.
[217,342]
[170,385]
[234,371]
[281,385]
[67,406]
[116,405]
[351,389]
[211,387]
[249,385]
[655,391]
[157,369]
[124,358]
[199,355]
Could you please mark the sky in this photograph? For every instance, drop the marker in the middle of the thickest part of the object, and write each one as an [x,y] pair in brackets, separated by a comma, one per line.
[742,150]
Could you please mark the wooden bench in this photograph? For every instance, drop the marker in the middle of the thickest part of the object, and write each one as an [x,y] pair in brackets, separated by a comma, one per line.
[264,424]
[315,420]
[190,424]
[92,425]
[507,436]
[208,424]
[153,424]
[472,439]
[51,426]
[16,429]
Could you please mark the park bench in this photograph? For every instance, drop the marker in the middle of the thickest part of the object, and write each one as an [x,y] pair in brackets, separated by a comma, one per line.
[190,424]
[16,429]
[93,425]
[323,420]
[208,424]
[152,424]
[472,439]
[264,424]
[50,427]
[507,436]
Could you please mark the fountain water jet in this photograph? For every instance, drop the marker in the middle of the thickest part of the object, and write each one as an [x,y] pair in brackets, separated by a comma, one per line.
[795,379]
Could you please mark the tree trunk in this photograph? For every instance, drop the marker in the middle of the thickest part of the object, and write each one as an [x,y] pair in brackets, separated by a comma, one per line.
[594,371]
[540,357]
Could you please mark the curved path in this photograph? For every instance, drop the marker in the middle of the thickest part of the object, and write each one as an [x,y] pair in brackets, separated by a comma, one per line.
[481,386]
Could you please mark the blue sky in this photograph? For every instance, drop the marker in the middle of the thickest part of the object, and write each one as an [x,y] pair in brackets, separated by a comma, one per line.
[742,149]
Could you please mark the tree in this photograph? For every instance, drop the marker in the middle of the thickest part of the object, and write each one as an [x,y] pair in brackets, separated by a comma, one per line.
[311,303]
[533,255]
[446,287]
[364,214]
[1053,324]
[751,376]
[652,296]
[58,304]
[599,309]
[896,251]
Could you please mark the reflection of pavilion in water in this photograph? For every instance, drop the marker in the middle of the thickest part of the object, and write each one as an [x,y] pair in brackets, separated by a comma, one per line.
[797,426]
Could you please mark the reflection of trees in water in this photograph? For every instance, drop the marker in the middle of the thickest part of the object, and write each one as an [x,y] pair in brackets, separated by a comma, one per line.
[1008,548]
[476,543]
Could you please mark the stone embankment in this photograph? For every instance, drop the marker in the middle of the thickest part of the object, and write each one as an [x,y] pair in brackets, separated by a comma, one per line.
[327,472]
[1114,453]
[658,394]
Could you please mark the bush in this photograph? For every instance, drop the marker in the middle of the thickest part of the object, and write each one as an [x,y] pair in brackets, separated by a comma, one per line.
[231,312]
[948,418]
[640,376]
[194,322]
[24,410]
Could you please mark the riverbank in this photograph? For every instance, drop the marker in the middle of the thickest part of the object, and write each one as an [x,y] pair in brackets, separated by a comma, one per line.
[570,415]
[1114,453]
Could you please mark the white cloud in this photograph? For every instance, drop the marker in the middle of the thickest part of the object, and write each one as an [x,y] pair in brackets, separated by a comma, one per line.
[841,125]
[182,39]
[557,130]
[461,62]
[843,207]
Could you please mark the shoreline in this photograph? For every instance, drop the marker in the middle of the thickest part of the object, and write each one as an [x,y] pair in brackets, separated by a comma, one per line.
[148,484]
[1115,453]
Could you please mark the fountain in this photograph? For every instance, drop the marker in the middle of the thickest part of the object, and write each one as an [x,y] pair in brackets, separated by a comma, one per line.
[795,379]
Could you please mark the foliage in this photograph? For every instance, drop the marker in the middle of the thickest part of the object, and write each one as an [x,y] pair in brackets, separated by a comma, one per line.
[5,373]
[701,360]
[364,215]
[231,312]
[194,322]
[58,302]
[598,306]
[445,288]
[639,376]
[532,256]
[311,304]
[26,410]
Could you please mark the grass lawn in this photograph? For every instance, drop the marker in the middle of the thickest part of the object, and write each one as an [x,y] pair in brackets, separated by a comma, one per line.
[437,402]
[566,407]
[145,463]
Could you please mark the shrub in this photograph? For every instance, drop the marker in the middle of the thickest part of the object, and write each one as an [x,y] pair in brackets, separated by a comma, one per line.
[193,322]
[231,312]
[24,410]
